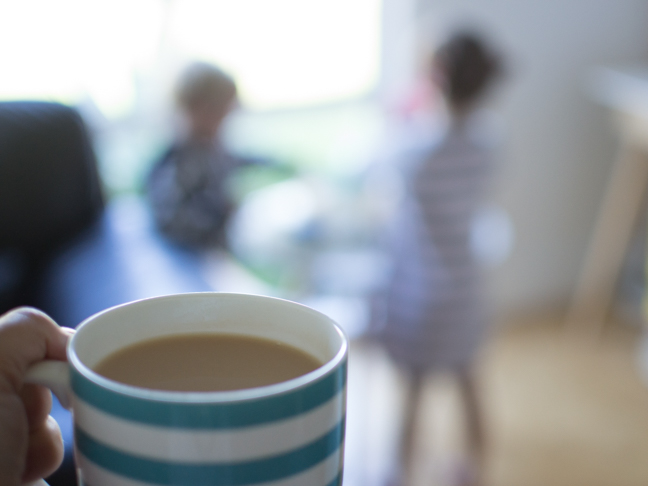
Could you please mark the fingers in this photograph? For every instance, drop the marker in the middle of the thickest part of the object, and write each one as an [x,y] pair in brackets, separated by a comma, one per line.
[30,441]
[45,445]
[13,439]
[37,401]
[26,337]
[44,452]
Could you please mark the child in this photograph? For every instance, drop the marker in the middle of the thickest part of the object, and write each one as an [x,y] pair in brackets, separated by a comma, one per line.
[432,312]
[187,187]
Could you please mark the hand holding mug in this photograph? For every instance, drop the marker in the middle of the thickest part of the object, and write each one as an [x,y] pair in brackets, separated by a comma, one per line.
[30,441]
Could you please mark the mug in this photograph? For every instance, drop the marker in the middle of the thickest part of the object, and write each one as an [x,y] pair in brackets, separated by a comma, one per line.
[285,434]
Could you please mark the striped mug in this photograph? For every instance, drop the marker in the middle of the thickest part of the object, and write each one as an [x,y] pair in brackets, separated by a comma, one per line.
[286,434]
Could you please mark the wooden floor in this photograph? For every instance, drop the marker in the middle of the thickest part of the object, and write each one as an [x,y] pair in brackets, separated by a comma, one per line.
[560,411]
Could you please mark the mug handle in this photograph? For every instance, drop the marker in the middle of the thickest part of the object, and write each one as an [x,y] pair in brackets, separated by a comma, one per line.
[55,375]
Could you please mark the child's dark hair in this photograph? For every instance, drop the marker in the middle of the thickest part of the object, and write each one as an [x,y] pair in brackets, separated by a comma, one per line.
[468,68]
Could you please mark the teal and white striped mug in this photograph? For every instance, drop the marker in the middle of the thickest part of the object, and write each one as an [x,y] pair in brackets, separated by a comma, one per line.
[286,434]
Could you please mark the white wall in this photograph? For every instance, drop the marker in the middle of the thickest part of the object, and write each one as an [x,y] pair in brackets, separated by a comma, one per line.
[559,144]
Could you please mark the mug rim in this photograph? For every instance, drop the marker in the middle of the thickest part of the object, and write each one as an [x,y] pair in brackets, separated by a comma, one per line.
[228,396]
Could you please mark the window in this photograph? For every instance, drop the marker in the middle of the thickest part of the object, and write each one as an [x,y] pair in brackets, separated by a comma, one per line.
[117,61]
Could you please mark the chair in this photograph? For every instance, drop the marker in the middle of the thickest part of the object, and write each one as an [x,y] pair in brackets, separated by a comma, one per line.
[49,192]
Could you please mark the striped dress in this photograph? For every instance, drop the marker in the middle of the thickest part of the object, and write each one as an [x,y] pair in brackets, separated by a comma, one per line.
[432,313]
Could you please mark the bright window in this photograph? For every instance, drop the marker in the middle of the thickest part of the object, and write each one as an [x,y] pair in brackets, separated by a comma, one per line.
[283,53]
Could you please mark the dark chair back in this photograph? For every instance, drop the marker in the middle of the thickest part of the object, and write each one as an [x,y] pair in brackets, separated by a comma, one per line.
[50,191]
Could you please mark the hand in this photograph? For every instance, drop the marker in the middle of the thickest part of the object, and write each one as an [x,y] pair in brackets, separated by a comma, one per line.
[31,446]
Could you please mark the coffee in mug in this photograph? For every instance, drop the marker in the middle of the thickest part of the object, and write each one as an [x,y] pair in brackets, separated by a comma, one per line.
[206,362]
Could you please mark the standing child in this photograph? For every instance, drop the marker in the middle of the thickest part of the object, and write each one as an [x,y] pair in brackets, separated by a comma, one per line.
[433,314]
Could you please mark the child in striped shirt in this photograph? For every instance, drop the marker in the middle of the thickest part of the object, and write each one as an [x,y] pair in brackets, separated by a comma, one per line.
[432,312]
